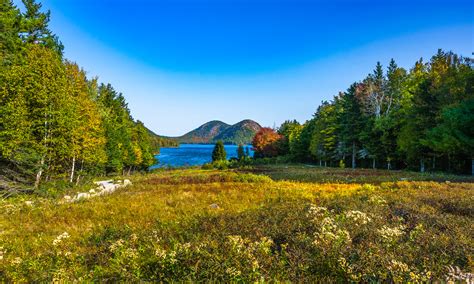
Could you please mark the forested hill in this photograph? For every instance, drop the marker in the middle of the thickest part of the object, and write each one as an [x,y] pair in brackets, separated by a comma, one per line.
[55,123]
[212,131]
[161,141]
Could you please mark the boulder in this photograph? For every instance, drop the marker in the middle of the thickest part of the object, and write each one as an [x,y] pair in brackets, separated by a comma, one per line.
[214,206]
[82,195]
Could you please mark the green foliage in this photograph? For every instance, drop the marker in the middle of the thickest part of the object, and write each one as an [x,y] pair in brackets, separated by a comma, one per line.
[240,152]
[55,123]
[391,120]
[218,153]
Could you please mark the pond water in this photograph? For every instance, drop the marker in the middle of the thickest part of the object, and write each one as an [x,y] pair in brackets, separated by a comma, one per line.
[192,155]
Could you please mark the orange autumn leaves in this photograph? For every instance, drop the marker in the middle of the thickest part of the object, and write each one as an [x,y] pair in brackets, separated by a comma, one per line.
[266,142]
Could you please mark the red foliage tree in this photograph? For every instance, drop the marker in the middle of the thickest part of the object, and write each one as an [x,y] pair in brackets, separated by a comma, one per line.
[266,143]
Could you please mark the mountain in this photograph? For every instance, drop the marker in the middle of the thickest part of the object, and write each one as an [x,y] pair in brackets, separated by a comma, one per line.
[239,133]
[161,141]
[212,131]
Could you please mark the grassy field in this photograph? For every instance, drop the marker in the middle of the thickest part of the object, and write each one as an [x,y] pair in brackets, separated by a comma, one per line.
[288,222]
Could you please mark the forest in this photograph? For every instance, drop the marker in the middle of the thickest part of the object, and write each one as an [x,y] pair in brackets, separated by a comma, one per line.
[55,122]
[418,119]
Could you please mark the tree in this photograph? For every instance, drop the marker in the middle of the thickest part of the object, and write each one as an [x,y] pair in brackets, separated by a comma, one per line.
[266,143]
[10,43]
[323,139]
[455,133]
[86,136]
[240,152]
[218,153]
[351,122]
[34,27]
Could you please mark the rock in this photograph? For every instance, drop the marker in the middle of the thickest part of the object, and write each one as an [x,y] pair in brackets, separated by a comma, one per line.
[84,195]
[92,191]
[29,203]
[67,197]
[403,179]
[127,182]
[214,206]
[103,182]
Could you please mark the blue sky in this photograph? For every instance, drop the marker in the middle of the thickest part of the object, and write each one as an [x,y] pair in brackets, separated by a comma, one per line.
[180,63]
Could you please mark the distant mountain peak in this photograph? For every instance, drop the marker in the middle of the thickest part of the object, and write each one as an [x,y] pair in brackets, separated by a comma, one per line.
[212,131]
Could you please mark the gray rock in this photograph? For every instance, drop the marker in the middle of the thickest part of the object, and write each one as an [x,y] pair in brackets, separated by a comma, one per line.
[214,206]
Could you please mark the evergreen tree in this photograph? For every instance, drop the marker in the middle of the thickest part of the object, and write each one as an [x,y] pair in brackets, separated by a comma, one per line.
[240,152]
[34,27]
[218,153]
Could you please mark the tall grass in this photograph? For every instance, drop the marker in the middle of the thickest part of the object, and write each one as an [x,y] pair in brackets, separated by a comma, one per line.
[199,225]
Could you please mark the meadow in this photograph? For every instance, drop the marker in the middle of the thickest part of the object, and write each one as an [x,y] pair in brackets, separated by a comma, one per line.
[263,224]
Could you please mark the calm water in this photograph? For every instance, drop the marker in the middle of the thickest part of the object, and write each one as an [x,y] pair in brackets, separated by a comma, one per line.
[191,155]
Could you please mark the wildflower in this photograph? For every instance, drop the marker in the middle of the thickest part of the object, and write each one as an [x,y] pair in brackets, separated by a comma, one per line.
[255,265]
[29,203]
[118,244]
[160,253]
[232,271]
[237,242]
[398,266]
[316,211]
[358,217]
[389,234]
[377,200]
[131,253]
[330,232]
[59,238]
[17,260]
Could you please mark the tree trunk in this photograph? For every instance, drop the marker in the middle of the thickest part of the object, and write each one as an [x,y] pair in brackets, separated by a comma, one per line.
[422,166]
[389,166]
[353,155]
[40,172]
[80,171]
[373,163]
[73,167]
[129,169]
[434,163]
[320,163]
[325,163]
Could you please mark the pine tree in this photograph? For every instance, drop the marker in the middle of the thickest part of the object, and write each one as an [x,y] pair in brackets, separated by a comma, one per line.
[218,153]
[34,27]
[240,152]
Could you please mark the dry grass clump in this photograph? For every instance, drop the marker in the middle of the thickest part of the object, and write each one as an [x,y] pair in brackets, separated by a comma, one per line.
[163,228]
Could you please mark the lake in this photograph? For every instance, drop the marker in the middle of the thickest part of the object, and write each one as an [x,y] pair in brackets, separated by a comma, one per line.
[191,155]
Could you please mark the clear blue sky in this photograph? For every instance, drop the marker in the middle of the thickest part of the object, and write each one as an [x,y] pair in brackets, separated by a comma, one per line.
[180,63]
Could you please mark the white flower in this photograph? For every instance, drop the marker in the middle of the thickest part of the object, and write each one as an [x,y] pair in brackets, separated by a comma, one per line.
[316,211]
[389,234]
[17,260]
[118,244]
[59,238]
[358,217]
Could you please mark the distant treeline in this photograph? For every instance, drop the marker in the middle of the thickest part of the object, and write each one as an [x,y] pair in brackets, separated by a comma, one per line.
[55,123]
[417,119]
